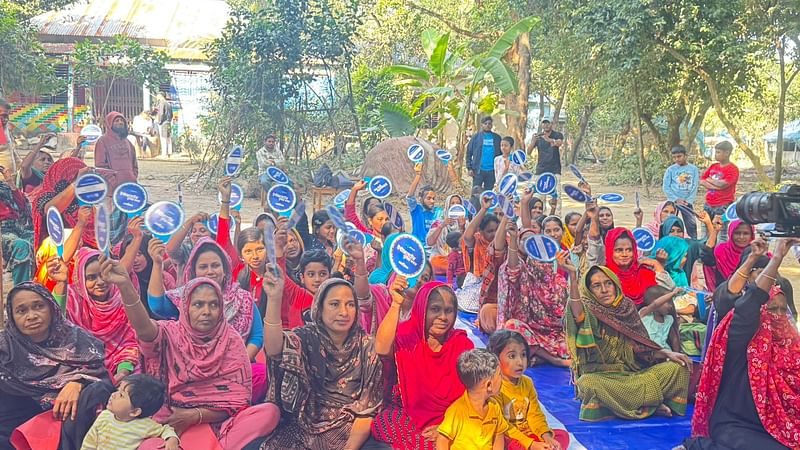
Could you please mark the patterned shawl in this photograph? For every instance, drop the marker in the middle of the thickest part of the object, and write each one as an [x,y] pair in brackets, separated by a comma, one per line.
[324,386]
[40,370]
[209,369]
[772,368]
[105,320]
[237,303]
[622,317]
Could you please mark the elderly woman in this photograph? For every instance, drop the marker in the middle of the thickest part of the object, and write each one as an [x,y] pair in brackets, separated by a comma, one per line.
[426,348]
[327,376]
[749,393]
[203,362]
[47,363]
[16,226]
[613,355]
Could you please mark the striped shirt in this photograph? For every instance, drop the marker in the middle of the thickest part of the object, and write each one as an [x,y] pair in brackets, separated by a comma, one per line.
[109,433]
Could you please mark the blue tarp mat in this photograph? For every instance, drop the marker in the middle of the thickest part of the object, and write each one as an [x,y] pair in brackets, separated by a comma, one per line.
[557,396]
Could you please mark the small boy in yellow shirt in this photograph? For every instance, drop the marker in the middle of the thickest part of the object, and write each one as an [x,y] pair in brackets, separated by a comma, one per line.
[473,422]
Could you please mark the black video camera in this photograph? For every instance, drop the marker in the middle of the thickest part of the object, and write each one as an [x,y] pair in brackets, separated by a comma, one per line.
[781,208]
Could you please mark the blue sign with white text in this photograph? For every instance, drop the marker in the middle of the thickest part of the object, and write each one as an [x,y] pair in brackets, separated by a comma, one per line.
[281,198]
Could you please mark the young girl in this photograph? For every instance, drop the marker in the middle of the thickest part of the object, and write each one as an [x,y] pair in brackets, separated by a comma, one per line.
[518,398]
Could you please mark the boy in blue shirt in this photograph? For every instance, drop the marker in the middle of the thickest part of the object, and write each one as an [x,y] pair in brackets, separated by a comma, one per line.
[423,211]
[680,184]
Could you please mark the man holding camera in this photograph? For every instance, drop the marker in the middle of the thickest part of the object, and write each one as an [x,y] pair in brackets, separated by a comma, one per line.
[720,180]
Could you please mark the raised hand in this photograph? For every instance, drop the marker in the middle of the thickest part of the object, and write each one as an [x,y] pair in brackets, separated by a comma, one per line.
[156,249]
[113,272]
[224,187]
[360,185]
[759,247]
[57,270]
[85,214]
[399,285]
[135,227]
[273,283]
[565,262]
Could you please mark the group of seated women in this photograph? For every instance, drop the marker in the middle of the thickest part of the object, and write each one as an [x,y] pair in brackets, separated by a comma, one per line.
[323,346]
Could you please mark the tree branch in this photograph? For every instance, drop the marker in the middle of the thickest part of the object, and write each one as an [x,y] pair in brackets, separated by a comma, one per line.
[447,22]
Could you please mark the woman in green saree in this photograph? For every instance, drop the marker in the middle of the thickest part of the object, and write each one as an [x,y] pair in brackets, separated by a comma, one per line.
[618,370]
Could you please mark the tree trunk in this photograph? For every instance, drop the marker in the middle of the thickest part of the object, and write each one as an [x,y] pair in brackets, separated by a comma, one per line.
[622,138]
[648,120]
[562,94]
[642,161]
[583,125]
[696,125]
[524,83]
[352,104]
[713,91]
[674,122]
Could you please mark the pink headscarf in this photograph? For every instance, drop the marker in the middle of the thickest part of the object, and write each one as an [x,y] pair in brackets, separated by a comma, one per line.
[655,225]
[727,255]
[428,380]
[208,369]
[104,320]
[237,303]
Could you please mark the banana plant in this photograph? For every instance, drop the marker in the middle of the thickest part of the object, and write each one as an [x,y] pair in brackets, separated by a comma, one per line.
[447,84]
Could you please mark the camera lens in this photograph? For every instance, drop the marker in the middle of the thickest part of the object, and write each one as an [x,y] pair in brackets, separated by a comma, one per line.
[756,207]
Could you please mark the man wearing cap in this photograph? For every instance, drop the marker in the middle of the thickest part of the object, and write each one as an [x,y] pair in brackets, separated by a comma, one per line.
[548,145]
[481,151]
[720,180]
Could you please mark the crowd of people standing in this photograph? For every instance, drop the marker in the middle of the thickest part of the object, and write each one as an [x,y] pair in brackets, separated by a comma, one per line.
[205,340]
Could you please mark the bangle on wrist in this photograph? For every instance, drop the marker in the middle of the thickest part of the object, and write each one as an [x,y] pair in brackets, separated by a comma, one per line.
[576,300]
[228,202]
[774,280]
[200,414]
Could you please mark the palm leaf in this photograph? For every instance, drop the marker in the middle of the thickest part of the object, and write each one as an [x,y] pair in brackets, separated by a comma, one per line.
[397,120]
[437,58]
[504,42]
[504,78]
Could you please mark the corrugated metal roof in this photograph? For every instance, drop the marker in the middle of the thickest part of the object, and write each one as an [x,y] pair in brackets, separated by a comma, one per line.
[182,27]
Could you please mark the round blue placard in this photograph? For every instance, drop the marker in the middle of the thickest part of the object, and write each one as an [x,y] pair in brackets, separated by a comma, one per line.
[336,217]
[213,223]
[546,183]
[730,213]
[55,226]
[493,197]
[575,171]
[130,197]
[612,198]
[645,240]
[542,248]
[380,187]
[524,177]
[237,196]
[357,236]
[506,205]
[444,155]
[91,189]
[340,198]
[102,227]
[518,157]
[470,208]
[163,218]
[576,194]
[416,153]
[394,215]
[407,256]
[92,132]
[277,175]
[457,212]
[508,184]
[234,161]
[281,198]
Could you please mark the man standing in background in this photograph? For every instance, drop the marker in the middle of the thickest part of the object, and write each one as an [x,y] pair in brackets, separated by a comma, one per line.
[266,156]
[164,120]
[548,146]
[8,157]
[720,179]
[481,151]
[680,184]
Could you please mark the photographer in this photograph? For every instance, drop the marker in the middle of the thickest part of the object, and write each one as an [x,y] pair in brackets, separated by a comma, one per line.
[750,402]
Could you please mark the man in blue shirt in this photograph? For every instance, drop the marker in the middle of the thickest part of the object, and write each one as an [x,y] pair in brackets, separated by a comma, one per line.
[423,211]
[680,184]
[481,151]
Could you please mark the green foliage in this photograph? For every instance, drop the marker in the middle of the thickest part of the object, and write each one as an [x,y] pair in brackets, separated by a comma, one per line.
[371,89]
[24,67]
[623,168]
[397,120]
[122,57]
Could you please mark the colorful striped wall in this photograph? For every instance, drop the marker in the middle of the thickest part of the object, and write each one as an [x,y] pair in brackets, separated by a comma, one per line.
[34,118]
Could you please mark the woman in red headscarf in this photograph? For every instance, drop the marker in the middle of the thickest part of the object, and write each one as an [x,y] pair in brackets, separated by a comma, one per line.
[426,349]
[749,392]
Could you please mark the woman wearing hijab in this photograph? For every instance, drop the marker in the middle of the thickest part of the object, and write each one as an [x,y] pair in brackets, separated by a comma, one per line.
[437,235]
[530,300]
[381,274]
[749,393]
[620,254]
[96,306]
[58,189]
[613,355]
[426,348]
[47,363]
[327,374]
[663,211]
[16,226]
[692,249]
[721,265]
[203,362]
[375,216]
